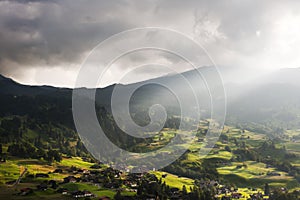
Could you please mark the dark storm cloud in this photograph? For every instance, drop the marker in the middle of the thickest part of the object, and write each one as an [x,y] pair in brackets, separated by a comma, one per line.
[30,1]
[39,35]
[45,33]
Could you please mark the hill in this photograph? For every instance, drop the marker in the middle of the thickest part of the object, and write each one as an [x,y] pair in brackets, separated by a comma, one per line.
[260,145]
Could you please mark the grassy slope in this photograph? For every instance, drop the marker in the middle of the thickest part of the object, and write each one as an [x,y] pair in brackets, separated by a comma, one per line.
[255,174]
[10,171]
[175,181]
[252,176]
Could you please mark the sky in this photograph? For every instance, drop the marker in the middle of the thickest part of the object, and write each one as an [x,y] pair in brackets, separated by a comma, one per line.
[45,42]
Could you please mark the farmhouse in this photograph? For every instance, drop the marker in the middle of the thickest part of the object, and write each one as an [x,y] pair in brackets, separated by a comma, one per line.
[70,179]
[25,191]
[80,194]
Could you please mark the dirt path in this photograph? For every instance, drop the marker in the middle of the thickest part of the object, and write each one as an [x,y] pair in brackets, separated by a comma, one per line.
[20,177]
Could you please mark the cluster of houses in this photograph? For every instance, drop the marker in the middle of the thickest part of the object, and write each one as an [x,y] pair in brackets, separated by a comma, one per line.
[81,194]
[108,178]
[114,179]
[53,184]
[229,193]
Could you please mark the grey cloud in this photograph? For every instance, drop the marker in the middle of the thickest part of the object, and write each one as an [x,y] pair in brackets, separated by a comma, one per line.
[38,34]
[57,33]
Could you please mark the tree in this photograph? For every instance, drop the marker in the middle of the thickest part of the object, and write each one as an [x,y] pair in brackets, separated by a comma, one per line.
[118,195]
[0,149]
[227,148]
[267,189]
[53,155]
[184,190]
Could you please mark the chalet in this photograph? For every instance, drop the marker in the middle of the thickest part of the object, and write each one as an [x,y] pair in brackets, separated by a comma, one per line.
[236,195]
[63,191]
[25,191]
[2,159]
[78,194]
[174,190]
[81,194]
[283,189]
[70,179]
[257,196]
[133,185]
[88,194]
[43,186]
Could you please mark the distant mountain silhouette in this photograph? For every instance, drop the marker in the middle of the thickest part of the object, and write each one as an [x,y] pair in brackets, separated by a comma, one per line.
[275,92]
[9,86]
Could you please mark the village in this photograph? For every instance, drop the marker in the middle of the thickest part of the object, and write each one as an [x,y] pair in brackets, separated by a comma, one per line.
[126,185]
